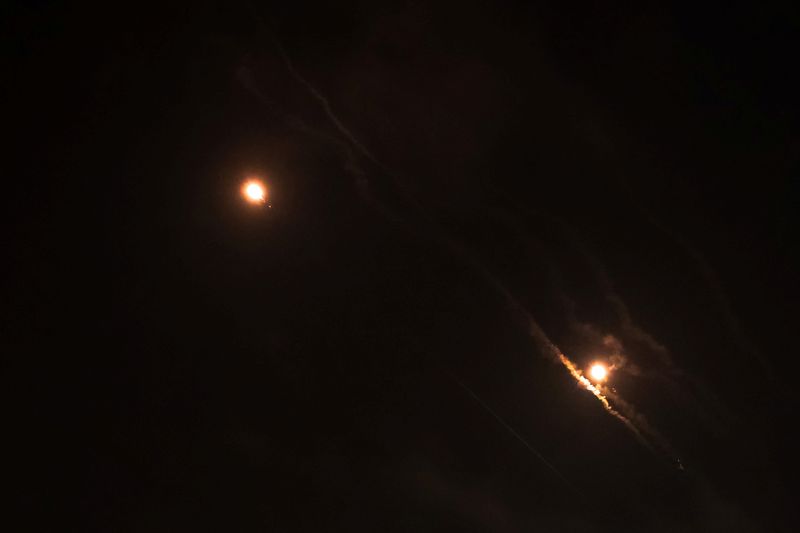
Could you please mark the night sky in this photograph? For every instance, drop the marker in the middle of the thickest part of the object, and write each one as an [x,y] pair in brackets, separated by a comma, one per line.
[458,193]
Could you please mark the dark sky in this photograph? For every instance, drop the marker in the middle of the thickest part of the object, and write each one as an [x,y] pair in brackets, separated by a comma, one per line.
[358,356]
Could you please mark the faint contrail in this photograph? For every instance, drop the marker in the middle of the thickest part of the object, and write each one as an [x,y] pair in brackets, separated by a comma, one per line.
[621,410]
[436,230]
[325,105]
[519,437]
[606,286]
[580,378]
[724,305]
[709,407]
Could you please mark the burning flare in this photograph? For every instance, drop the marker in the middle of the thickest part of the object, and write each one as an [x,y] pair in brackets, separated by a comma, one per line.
[254,191]
[601,395]
[598,372]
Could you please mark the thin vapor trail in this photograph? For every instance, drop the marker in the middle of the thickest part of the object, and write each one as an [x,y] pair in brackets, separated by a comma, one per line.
[626,322]
[576,373]
[294,122]
[621,410]
[437,231]
[326,106]
[611,401]
[516,435]
[731,319]
[683,383]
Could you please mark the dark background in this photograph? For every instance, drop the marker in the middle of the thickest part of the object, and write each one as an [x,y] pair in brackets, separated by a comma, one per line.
[177,360]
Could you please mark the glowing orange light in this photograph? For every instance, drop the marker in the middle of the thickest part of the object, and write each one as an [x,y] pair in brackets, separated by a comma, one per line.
[598,372]
[254,192]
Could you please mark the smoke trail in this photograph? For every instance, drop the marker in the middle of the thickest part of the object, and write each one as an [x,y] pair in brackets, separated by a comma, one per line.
[633,421]
[594,389]
[626,322]
[706,404]
[724,305]
[350,158]
[326,106]
[623,411]
[519,437]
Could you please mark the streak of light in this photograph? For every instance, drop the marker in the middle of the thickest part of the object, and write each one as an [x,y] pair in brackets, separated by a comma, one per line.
[519,437]
[598,393]
[353,147]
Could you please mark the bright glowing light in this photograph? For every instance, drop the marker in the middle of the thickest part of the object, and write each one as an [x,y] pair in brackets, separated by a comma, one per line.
[598,372]
[254,192]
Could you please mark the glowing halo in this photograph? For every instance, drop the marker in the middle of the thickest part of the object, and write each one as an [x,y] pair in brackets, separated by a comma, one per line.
[254,191]
[598,372]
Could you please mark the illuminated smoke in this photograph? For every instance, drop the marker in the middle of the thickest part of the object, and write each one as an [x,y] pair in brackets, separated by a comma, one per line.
[595,389]
[352,147]
[621,410]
